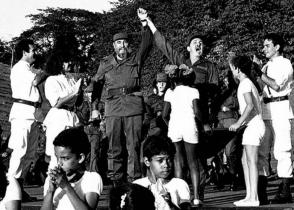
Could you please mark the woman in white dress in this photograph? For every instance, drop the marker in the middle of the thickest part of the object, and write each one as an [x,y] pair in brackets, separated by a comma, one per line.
[61,92]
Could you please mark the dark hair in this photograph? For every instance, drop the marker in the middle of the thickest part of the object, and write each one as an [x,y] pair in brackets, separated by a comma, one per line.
[131,197]
[22,45]
[277,40]
[179,78]
[156,145]
[75,139]
[246,66]
[3,179]
[54,64]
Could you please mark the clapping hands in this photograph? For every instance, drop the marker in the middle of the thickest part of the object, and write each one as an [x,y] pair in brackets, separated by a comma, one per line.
[58,178]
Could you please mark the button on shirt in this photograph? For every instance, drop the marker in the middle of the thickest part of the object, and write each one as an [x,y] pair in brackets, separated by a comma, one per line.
[279,69]
[22,87]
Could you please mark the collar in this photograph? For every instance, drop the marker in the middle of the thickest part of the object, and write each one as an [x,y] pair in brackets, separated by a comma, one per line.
[24,62]
[276,58]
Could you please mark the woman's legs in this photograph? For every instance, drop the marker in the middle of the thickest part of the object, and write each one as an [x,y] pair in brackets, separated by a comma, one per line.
[251,154]
[192,159]
[179,160]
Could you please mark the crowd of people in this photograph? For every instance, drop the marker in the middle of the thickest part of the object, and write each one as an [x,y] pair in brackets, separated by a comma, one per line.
[154,143]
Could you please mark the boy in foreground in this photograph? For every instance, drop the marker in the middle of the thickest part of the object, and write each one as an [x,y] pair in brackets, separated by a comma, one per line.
[169,193]
[70,186]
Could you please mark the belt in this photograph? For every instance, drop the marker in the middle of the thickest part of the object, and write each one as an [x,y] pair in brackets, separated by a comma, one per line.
[122,91]
[30,103]
[68,108]
[274,99]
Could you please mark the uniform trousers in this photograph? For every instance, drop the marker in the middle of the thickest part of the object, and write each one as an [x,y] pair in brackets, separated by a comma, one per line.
[18,142]
[124,133]
[278,134]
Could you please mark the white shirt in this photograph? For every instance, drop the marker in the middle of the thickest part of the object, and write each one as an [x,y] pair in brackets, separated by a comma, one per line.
[280,69]
[181,102]
[246,86]
[89,182]
[56,87]
[178,189]
[22,87]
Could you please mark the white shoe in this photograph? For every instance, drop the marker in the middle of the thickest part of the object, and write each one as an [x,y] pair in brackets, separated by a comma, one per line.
[239,201]
[197,202]
[248,203]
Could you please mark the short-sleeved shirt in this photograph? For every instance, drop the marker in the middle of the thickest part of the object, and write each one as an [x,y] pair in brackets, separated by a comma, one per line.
[177,188]
[13,193]
[22,87]
[246,86]
[56,87]
[182,116]
[90,182]
[279,69]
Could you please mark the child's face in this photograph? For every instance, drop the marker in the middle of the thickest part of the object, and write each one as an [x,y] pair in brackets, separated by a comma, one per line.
[67,160]
[160,165]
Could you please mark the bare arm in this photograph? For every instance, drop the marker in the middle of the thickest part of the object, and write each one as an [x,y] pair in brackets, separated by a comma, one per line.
[270,82]
[248,109]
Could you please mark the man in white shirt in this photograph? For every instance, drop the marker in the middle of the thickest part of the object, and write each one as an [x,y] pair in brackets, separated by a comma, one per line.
[277,76]
[25,101]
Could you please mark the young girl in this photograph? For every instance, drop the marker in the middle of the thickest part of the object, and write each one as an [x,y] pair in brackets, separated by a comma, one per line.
[181,107]
[250,110]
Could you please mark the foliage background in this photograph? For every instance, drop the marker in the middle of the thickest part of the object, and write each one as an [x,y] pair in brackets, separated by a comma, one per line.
[228,25]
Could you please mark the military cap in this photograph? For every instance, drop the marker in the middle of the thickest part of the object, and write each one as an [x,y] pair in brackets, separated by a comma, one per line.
[121,35]
[161,77]
[194,36]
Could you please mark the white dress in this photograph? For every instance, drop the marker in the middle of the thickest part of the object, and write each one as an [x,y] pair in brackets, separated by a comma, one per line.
[57,120]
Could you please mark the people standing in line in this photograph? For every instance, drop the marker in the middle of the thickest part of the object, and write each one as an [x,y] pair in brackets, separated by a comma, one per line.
[24,80]
[69,185]
[205,80]
[61,94]
[277,77]
[170,193]
[250,110]
[120,72]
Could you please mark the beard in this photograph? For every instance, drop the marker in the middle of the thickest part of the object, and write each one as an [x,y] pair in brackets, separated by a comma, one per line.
[122,53]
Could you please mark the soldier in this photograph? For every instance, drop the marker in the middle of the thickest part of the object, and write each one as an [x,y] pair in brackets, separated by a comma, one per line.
[206,77]
[121,72]
[154,106]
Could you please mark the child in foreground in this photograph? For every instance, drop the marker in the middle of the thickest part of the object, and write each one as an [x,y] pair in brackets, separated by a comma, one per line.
[70,186]
[250,110]
[169,193]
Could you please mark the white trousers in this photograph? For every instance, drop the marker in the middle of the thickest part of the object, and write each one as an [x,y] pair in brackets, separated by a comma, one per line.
[18,142]
[278,135]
